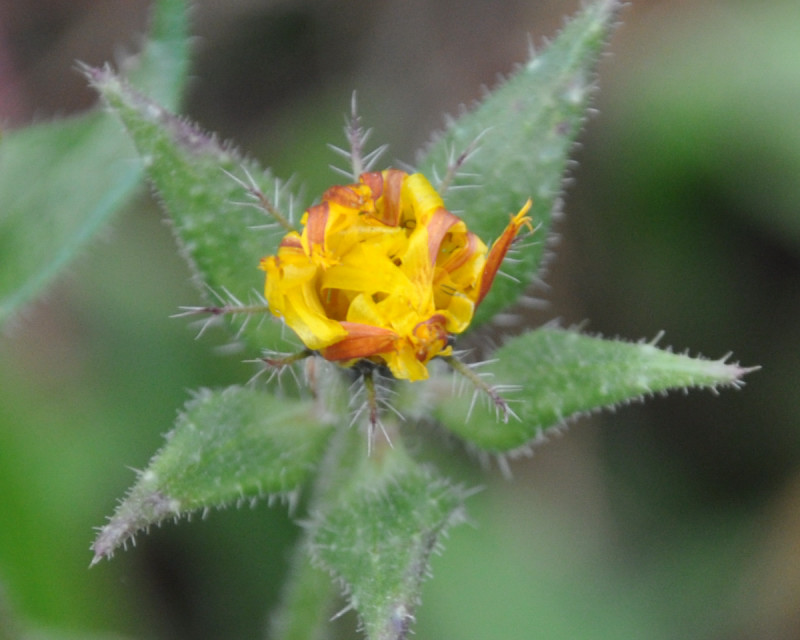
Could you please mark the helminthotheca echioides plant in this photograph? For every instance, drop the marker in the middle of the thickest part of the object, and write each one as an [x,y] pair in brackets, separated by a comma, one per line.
[354,307]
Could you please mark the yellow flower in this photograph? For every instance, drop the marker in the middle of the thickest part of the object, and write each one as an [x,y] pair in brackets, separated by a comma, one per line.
[383,272]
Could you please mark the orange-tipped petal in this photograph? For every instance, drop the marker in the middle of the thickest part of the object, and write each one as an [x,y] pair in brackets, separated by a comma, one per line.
[373,180]
[500,249]
[362,341]
[316,224]
[441,222]
[461,255]
[390,202]
[291,241]
[344,196]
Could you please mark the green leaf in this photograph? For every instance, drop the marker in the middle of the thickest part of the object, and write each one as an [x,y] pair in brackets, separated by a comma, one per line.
[222,235]
[521,135]
[558,374]
[227,446]
[378,537]
[61,181]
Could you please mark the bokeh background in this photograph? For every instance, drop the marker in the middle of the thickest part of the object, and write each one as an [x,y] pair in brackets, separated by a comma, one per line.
[677,518]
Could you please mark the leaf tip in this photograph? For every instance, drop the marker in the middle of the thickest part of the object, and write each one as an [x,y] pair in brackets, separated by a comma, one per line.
[98,556]
[732,373]
[98,77]
[136,512]
[109,538]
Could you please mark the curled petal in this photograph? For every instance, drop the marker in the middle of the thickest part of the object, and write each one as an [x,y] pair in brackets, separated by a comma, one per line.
[430,337]
[316,223]
[404,364]
[421,197]
[500,249]
[456,256]
[386,188]
[373,180]
[441,222]
[291,241]
[362,341]
[309,321]
[344,196]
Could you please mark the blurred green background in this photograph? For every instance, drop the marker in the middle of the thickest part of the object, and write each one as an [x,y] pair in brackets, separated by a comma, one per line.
[678,518]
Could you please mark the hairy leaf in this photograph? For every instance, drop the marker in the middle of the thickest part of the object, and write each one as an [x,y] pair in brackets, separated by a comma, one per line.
[204,187]
[227,446]
[550,375]
[61,181]
[517,143]
[378,536]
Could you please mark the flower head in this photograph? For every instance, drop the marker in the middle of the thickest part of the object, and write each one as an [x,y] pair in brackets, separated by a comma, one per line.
[383,272]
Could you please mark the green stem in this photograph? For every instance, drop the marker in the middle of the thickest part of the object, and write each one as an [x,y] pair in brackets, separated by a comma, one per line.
[308,598]
[309,593]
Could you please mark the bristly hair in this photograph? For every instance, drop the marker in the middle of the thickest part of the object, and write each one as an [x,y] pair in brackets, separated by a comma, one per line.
[357,136]
[260,200]
[454,165]
[229,305]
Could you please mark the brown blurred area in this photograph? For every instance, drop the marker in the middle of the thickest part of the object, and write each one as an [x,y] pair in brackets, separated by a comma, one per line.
[255,57]
[40,41]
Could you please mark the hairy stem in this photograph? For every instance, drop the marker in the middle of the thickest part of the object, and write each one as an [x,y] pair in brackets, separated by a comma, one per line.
[309,593]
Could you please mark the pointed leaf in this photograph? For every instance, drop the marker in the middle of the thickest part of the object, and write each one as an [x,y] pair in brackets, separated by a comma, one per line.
[61,181]
[377,539]
[559,374]
[221,233]
[228,445]
[521,135]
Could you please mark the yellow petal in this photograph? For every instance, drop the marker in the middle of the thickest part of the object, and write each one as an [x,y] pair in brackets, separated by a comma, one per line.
[363,310]
[404,365]
[458,313]
[305,315]
[421,196]
[366,270]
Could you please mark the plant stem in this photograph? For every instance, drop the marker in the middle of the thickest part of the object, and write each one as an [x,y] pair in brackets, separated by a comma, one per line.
[309,593]
[308,597]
